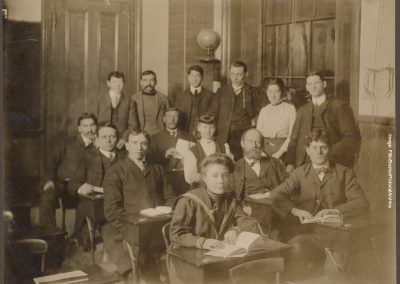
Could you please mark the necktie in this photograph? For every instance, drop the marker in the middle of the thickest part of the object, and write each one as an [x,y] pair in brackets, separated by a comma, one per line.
[111,156]
[172,133]
[321,170]
[195,92]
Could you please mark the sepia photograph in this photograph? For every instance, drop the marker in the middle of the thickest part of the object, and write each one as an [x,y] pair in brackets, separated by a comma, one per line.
[198,141]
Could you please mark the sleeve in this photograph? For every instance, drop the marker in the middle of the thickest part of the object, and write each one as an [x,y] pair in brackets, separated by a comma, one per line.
[181,228]
[260,121]
[133,120]
[190,168]
[294,136]
[78,178]
[292,119]
[52,163]
[245,223]
[356,203]
[282,194]
[113,197]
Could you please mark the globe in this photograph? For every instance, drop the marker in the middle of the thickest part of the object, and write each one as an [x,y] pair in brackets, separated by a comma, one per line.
[208,39]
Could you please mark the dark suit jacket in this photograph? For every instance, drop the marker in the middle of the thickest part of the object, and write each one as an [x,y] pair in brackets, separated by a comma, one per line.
[160,143]
[272,174]
[339,189]
[128,190]
[60,165]
[340,127]
[183,102]
[162,105]
[126,114]
[222,106]
[91,170]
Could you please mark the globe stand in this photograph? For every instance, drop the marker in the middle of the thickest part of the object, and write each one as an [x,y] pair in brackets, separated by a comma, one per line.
[210,57]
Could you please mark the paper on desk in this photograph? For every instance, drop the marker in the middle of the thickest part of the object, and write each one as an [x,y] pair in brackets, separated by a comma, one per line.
[98,189]
[182,146]
[63,278]
[259,195]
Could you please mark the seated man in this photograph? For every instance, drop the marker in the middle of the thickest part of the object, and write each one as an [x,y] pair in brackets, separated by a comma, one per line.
[92,168]
[317,188]
[130,186]
[192,225]
[162,150]
[60,166]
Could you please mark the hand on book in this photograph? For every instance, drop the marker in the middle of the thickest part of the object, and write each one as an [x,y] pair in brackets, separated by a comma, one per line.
[302,214]
[230,237]
[212,244]
[325,212]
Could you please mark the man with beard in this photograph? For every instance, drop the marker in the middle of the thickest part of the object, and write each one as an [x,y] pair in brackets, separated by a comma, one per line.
[91,171]
[60,167]
[151,104]
[256,174]
[129,187]
[162,150]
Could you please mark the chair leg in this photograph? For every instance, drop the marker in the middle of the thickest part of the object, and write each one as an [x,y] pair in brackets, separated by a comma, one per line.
[62,209]
[43,263]
[92,232]
[135,272]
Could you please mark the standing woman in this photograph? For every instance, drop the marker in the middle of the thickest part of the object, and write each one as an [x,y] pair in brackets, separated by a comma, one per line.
[205,146]
[276,120]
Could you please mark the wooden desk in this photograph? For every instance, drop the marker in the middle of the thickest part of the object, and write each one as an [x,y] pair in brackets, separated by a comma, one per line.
[192,266]
[92,207]
[262,212]
[144,234]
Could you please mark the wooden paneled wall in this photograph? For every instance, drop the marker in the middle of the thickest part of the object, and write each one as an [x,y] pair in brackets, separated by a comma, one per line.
[186,19]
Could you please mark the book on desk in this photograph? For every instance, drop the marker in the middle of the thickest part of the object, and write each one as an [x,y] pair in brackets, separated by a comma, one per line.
[157,211]
[327,219]
[245,242]
[76,276]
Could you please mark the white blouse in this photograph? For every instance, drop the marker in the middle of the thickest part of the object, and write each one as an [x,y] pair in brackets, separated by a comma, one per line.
[276,121]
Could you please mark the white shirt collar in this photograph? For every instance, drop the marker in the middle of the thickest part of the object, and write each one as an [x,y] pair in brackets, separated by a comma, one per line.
[193,89]
[237,89]
[318,100]
[113,94]
[108,154]
[325,165]
[86,140]
[252,161]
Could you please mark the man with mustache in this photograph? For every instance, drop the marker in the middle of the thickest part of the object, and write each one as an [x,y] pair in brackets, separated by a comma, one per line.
[61,165]
[151,104]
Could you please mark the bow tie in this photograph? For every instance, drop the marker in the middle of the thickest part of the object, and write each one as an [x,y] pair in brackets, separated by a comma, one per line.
[172,133]
[321,170]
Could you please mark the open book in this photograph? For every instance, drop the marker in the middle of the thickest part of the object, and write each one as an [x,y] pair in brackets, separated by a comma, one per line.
[158,211]
[329,218]
[245,242]
[63,278]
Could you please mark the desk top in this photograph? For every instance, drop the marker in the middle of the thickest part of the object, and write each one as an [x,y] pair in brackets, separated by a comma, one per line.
[266,201]
[351,223]
[197,256]
[138,219]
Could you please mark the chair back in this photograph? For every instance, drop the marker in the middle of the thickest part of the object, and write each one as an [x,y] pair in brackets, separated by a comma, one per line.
[165,233]
[257,271]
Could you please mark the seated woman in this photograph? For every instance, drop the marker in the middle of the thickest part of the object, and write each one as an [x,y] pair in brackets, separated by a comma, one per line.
[205,146]
[276,120]
[220,217]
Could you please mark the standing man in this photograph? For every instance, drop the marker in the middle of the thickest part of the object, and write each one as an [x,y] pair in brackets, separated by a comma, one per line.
[333,116]
[151,105]
[163,151]
[115,107]
[194,101]
[61,165]
[235,106]
[92,168]
[130,186]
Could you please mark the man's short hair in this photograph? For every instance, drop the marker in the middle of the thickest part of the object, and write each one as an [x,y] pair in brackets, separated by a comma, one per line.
[116,74]
[171,109]
[252,129]
[316,135]
[239,63]
[139,132]
[108,125]
[86,115]
[148,72]
[316,73]
[217,159]
[196,68]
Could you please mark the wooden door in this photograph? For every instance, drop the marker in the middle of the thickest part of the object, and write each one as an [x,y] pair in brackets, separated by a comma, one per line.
[85,40]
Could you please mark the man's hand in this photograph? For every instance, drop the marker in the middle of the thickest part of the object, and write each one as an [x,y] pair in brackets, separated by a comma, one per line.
[230,237]
[325,212]
[120,143]
[49,186]
[302,214]
[289,168]
[85,189]
[212,244]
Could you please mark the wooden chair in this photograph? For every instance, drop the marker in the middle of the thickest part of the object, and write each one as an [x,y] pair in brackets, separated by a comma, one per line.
[165,233]
[258,271]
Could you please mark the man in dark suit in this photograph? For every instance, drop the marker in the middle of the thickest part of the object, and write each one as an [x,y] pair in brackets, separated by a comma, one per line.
[115,107]
[162,151]
[235,106]
[130,186]
[60,166]
[194,101]
[335,117]
[92,168]
[151,104]
[316,189]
